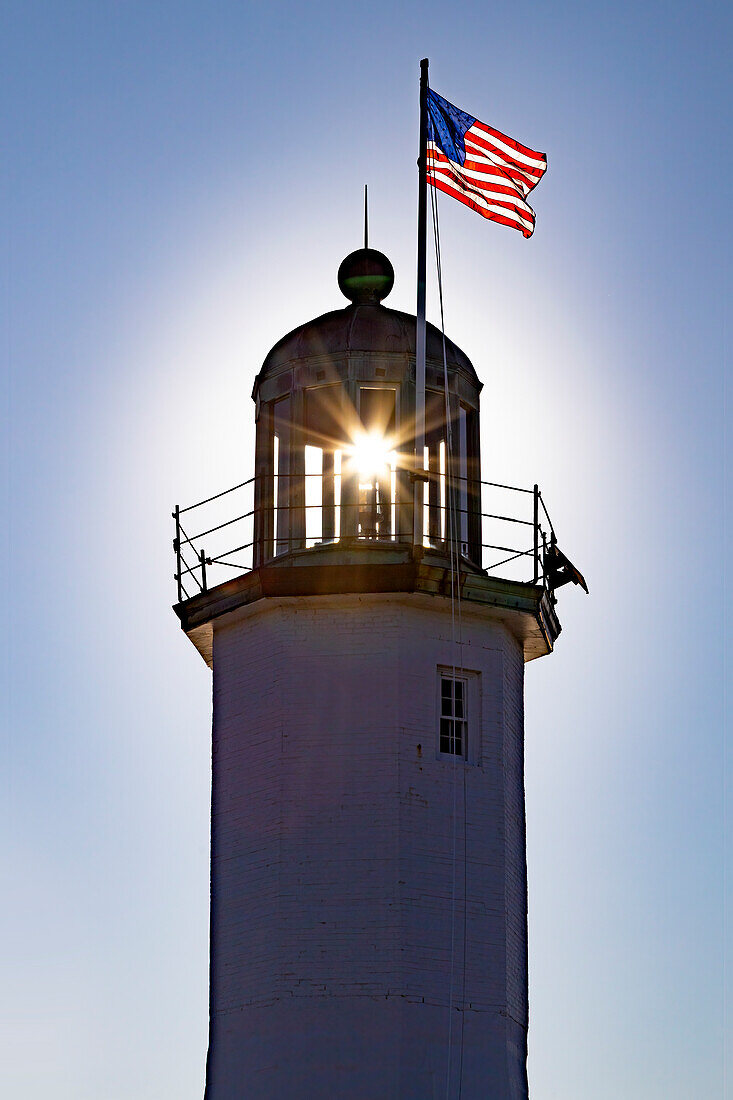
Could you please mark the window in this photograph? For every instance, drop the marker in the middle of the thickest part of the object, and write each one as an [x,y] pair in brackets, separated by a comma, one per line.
[458,715]
[378,486]
[462,522]
[453,715]
[324,419]
[313,495]
[281,475]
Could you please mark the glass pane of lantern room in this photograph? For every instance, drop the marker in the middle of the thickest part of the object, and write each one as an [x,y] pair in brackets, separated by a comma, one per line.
[377,514]
[463,478]
[324,417]
[313,495]
[325,432]
[377,411]
[281,479]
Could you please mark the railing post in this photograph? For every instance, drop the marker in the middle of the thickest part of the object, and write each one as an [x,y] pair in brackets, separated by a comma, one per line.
[202,559]
[536,497]
[177,549]
[544,555]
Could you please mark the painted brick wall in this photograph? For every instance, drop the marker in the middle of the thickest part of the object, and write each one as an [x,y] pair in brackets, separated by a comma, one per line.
[361,883]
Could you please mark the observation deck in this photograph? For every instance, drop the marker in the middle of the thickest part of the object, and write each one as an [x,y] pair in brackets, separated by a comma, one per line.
[228,562]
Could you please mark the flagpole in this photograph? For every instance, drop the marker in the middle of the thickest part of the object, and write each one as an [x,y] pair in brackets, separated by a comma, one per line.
[422,224]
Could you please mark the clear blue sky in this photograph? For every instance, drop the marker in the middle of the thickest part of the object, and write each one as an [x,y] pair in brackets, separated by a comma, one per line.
[179,184]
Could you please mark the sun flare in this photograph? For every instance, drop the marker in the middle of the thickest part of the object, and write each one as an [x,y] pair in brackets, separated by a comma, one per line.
[371,454]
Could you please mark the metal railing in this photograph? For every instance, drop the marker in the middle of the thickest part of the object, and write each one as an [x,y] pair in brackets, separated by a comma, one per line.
[223,543]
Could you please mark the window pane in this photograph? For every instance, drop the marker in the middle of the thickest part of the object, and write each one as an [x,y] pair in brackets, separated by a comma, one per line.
[463,479]
[377,411]
[453,716]
[281,486]
[313,495]
[324,417]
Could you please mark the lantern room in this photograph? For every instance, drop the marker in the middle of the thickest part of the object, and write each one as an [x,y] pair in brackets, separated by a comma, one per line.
[338,487]
[335,443]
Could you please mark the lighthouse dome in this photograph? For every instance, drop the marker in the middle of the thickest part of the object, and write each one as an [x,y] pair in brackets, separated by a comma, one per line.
[364,327]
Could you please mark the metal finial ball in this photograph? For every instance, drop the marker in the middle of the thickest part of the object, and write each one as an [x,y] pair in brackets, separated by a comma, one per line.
[366,276]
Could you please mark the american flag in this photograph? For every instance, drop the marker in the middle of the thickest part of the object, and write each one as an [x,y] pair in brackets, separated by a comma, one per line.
[480,166]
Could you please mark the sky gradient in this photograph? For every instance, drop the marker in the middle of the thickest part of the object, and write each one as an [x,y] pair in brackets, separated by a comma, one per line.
[180,183]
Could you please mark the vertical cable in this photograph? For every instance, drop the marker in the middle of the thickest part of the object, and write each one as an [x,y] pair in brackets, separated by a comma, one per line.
[457,644]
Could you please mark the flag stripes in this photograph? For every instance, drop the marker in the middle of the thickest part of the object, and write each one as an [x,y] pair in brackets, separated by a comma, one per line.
[480,190]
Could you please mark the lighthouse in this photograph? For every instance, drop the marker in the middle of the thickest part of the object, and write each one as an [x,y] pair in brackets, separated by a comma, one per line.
[368,867]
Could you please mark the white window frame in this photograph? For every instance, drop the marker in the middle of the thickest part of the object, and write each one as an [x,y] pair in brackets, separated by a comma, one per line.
[471,734]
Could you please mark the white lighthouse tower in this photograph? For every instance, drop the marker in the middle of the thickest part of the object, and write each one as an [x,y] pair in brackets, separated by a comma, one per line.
[368,873]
